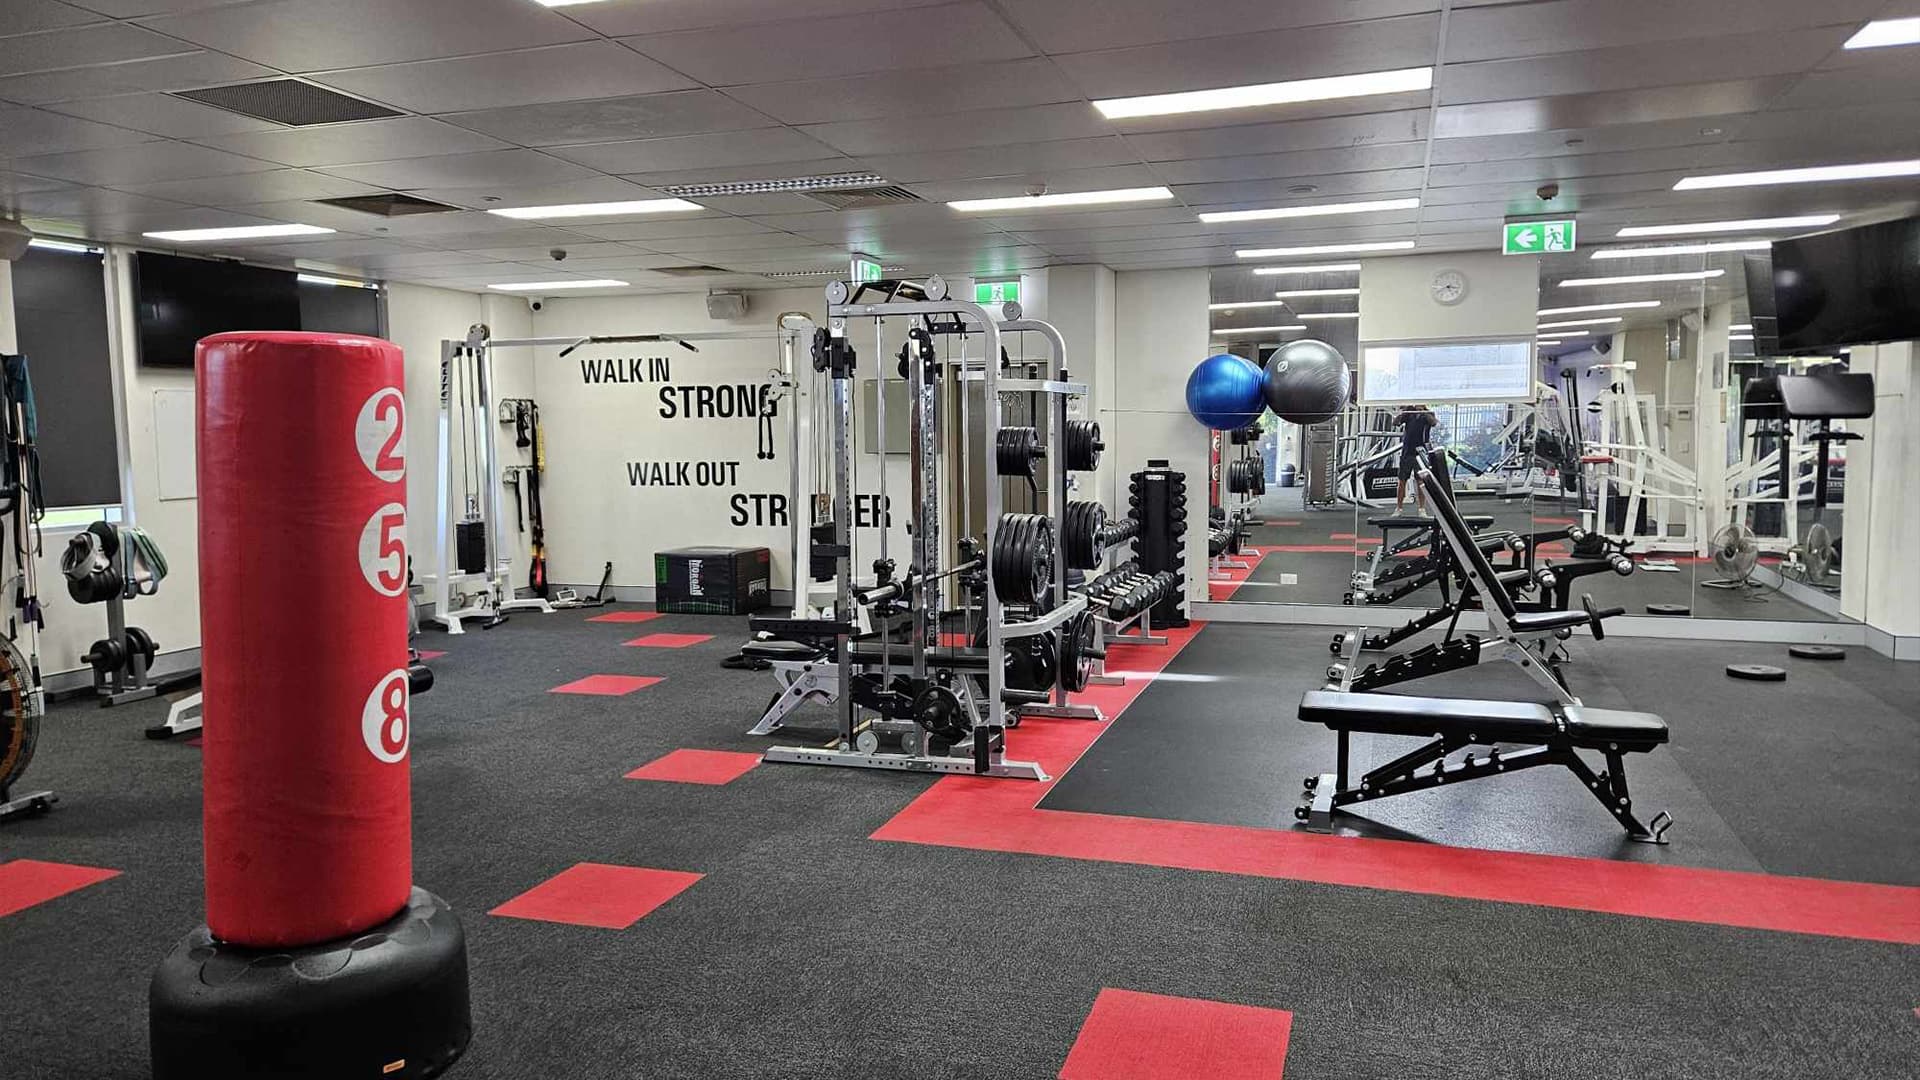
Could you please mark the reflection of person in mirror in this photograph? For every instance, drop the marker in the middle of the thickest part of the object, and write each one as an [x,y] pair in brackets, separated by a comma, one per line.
[1416,424]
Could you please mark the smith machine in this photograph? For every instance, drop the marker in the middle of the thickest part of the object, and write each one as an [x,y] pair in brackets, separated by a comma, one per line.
[934,677]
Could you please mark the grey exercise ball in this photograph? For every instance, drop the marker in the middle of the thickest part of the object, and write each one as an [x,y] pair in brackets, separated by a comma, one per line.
[1306,382]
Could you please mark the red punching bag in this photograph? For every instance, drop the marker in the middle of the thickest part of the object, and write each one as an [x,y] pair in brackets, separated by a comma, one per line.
[303,571]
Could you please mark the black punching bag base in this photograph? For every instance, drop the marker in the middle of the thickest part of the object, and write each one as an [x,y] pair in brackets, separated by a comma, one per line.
[386,1004]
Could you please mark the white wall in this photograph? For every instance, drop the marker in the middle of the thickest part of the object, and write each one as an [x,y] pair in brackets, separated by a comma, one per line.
[1880,580]
[1396,301]
[1160,333]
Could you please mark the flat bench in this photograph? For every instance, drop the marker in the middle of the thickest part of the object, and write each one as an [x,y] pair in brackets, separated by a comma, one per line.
[1550,734]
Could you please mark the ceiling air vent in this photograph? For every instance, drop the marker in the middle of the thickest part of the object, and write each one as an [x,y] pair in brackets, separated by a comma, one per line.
[865,198]
[389,204]
[687,271]
[288,101]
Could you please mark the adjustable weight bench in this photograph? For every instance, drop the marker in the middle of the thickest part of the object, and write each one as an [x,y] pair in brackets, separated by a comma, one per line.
[1551,735]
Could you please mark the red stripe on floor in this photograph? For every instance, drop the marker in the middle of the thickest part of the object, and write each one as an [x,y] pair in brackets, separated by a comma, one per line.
[1553,521]
[697,767]
[596,894]
[1235,576]
[999,815]
[27,882]
[1135,1036]
[1312,549]
[607,685]
[626,616]
[431,654]
[669,641]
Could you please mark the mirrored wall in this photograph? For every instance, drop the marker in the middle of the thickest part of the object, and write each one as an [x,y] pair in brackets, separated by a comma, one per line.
[1652,470]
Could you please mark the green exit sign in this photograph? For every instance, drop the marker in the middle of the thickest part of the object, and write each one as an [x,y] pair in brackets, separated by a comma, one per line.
[995,292]
[866,268]
[1537,237]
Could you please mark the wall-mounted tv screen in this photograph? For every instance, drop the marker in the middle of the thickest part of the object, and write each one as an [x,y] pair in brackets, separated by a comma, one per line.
[179,300]
[1852,287]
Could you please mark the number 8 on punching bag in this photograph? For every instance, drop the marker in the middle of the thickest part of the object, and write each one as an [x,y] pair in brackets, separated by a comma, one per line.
[308,820]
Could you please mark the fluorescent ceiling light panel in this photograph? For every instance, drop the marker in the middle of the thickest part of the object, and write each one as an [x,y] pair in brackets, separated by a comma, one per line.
[1247,304]
[1323,210]
[545,286]
[1640,279]
[321,279]
[1322,249]
[1576,322]
[1819,174]
[1316,292]
[237,232]
[1621,306]
[1748,327]
[597,209]
[1804,221]
[1065,198]
[1326,268]
[564,3]
[1739,337]
[1243,330]
[69,246]
[1683,249]
[1883,32]
[1326,314]
[1402,81]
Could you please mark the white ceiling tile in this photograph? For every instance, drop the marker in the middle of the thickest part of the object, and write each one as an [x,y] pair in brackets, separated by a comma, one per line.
[1309,52]
[1662,63]
[279,185]
[1365,158]
[188,71]
[1510,30]
[591,189]
[663,16]
[684,152]
[650,234]
[1002,160]
[352,247]
[1327,133]
[958,131]
[852,45]
[357,143]
[647,116]
[88,202]
[573,72]
[1894,76]
[1575,111]
[109,225]
[26,16]
[144,162]
[108,43]
[128,9]
[1055,180]
[576,252]
[494,168]
[1016,221]
[704,246]
[773,203]
[1034,81]
[725,173]
[33,131]
[13,185]
[1255,194]
[322,35]
[164,115]
[1062,26]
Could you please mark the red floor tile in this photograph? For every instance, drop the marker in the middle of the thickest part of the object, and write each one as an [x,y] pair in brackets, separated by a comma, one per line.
[626,616]
[1133,1036]
[697,767]
[595,894]
[607,685]
[26,882]
[669,641]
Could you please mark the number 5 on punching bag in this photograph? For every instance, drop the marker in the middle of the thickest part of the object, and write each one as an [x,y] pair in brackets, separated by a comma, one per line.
[319,957]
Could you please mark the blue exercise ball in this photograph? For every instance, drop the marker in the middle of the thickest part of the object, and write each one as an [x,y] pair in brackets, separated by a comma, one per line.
[1306,382]
[1224,392]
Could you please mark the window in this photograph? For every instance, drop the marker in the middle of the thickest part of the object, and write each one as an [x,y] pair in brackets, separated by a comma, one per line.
[60,310]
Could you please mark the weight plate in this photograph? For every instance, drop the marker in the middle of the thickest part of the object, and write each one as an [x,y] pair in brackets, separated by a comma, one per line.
[1757,672]
[1669,609]
[1817,652]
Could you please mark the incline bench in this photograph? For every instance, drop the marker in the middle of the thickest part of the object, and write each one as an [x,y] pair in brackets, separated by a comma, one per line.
[1551,734]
